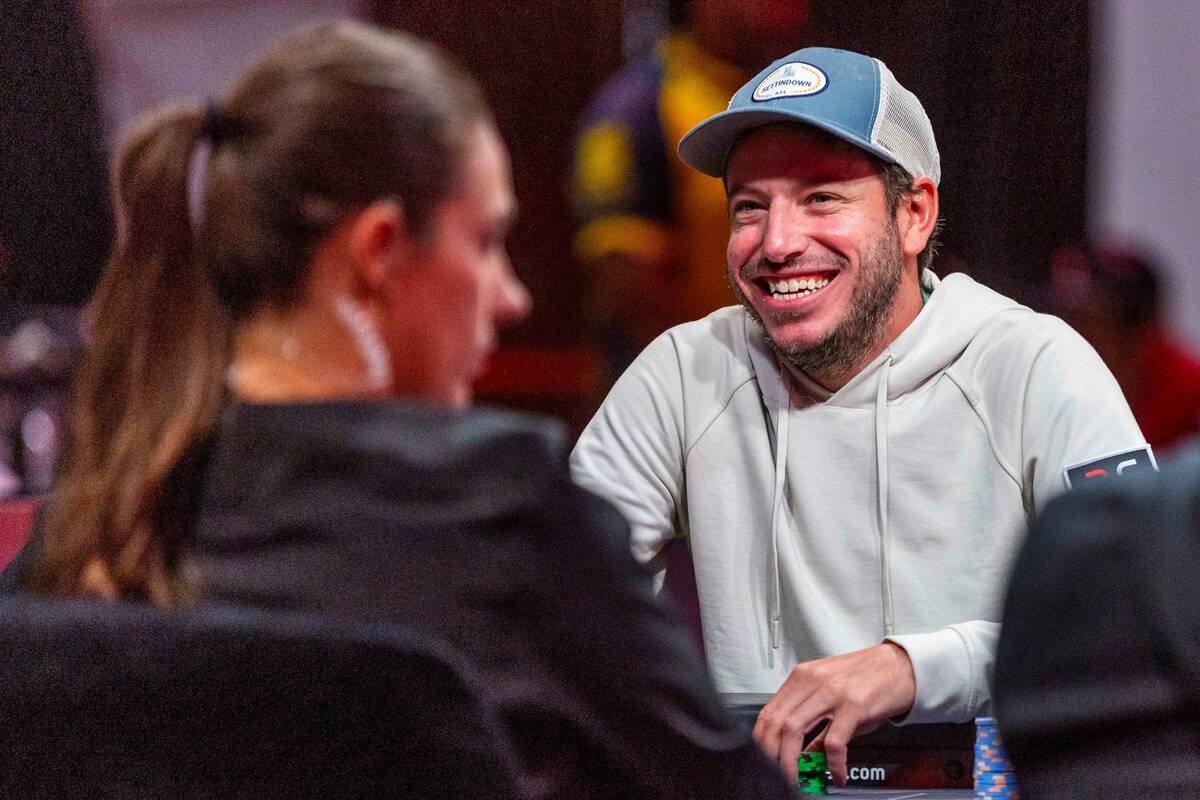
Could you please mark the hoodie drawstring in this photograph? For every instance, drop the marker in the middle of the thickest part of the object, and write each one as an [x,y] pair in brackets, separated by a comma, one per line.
[781,448]
[881,472]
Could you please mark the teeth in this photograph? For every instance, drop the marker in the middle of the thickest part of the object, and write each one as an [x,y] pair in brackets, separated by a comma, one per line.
[790,289]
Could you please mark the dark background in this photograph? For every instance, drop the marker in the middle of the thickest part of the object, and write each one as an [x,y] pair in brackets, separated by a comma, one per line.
[1005,85]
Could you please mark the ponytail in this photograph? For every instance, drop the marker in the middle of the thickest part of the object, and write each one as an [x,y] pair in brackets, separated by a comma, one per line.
[149,391]
[329,119]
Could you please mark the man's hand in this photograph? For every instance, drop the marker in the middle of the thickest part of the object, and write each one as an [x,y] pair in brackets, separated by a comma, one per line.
[855,692]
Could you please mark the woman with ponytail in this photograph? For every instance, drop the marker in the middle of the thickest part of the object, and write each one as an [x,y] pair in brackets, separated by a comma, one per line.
[274,412]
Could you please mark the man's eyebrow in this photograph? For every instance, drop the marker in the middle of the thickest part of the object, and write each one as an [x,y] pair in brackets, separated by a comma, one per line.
[825,178]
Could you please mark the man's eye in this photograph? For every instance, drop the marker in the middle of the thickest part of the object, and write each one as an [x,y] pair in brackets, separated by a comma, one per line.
[744,206]
[823,198]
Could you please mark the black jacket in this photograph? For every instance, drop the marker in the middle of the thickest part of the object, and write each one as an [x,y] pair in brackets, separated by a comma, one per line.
[466,526]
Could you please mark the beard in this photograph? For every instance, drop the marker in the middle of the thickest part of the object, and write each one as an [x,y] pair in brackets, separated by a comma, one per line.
[861,330]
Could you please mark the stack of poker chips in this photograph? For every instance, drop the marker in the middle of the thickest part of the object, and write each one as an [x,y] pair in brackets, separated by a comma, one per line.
[994,776]
[813,774]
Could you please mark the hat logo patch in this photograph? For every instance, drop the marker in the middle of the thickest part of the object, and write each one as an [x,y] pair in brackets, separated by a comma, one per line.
[791,80]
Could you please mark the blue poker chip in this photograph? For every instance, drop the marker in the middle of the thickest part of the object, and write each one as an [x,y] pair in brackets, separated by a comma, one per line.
[995,780]
[984,769]
[991,769]
[990,755]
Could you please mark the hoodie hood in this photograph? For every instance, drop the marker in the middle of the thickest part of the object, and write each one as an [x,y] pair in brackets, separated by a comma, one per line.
[957,309]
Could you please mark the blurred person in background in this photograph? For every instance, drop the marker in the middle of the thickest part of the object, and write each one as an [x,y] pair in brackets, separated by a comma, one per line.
[55,226]
[1112,295]
[274,412]
[649,226]
[1096,668]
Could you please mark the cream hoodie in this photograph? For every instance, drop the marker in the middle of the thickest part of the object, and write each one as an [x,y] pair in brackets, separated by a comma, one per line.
[891,509]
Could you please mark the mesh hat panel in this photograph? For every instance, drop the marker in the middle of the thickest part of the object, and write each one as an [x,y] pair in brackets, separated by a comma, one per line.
[903,129]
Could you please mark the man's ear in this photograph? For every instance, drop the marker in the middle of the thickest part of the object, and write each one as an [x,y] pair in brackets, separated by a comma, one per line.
[377,240]
[917,216]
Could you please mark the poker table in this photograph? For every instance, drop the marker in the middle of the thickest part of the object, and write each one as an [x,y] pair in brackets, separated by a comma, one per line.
[894,763]
[902,794]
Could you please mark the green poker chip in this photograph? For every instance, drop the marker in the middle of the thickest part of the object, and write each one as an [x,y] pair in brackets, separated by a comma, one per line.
[813,772]
[813,786]
[811,762]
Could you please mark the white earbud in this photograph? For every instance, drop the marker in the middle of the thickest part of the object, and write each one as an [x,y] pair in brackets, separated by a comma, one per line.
[367,339]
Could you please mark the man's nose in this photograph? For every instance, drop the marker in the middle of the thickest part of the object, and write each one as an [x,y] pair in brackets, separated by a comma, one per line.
[786,234]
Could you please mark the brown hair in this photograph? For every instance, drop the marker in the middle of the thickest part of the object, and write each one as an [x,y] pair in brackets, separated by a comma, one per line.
[329,119]
[898,183]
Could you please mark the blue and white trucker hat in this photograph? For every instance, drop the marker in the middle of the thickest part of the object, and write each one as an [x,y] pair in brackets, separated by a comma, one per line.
[849,95]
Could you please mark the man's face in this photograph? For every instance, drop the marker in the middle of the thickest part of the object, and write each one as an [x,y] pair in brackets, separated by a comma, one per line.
[813,253]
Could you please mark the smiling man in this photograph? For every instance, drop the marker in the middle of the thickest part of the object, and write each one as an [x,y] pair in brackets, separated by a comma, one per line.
[853,452]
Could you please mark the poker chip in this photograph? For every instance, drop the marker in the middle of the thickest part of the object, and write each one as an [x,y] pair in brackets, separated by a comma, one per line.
[994,777]
[813,772]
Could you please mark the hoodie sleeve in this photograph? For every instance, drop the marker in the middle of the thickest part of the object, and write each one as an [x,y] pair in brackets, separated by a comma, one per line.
[1074,413]
[953,669]
[1052,403]
[631,453]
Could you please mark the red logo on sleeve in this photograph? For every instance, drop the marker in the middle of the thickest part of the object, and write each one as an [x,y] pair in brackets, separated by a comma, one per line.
[1123,463]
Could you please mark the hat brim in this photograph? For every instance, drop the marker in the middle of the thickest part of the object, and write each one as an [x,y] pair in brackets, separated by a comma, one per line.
[706,146]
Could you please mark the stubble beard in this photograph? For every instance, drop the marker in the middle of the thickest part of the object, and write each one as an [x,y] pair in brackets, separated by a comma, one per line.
[861,330]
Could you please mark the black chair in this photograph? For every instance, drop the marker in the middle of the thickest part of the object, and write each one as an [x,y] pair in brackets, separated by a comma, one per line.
[126,701]
[1097,676]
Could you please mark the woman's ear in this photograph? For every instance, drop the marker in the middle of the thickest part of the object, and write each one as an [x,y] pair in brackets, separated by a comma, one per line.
[377,241]
[917,216]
